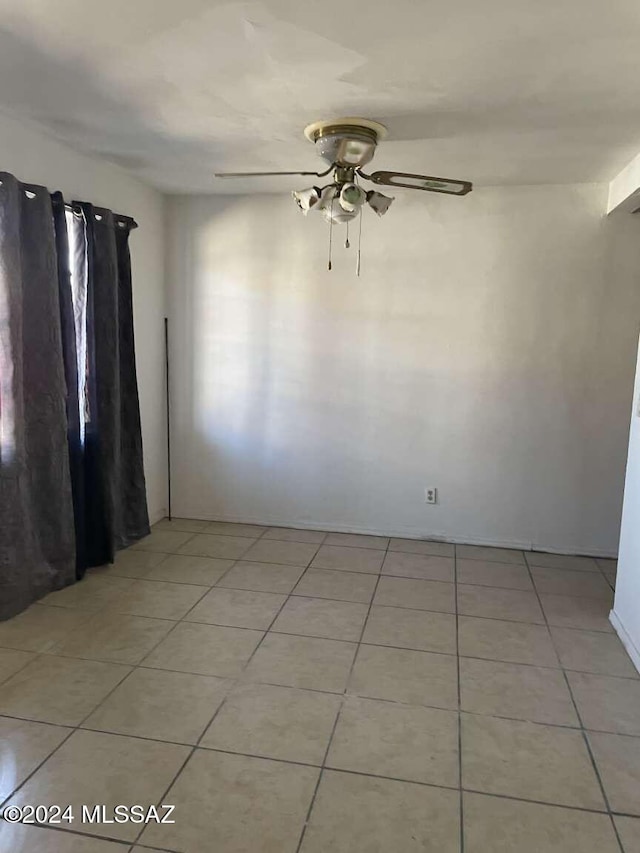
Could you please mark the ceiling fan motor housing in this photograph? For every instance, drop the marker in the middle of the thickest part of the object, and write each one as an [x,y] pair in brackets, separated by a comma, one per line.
[347,147]
[348,142]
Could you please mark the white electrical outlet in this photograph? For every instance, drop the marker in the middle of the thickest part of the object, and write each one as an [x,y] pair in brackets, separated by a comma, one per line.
[430,495]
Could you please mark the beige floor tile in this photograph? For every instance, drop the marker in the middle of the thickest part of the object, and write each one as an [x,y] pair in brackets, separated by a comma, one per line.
[304,662]
[423,546]
[292,534]
[362,814]
[512,642]
[618,760]
[403,675]
[416,594]
[428,567]
[186,525]
[239,608]
[495,825]
[493,555]
[262,577]
[134,564]
[606,703]
[283,553]
[592,651]
[513,690]
[235,804]
[183,568]
[205,649]
[23,746]
[317,617]
[629,831]
[11,660]
[343,586]
[401,741]
[159,600]
[154,703]
[223,547]
[484,573]
[528,761]
[609,569]
[20,838]
[130,771]
[94,592]
[561,561]
[275,722]
[146,850]
[564,611]
[411,629]
[492,603]
[357,540]
[166,541]
[39,628]
[229,528]
[114,637]
[563,582]
[348,559]
[59,690]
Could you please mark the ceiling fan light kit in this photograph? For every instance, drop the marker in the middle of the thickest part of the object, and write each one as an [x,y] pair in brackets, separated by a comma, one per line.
[348,144]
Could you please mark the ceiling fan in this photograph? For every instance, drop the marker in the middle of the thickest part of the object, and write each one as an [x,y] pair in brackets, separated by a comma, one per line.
[348,144]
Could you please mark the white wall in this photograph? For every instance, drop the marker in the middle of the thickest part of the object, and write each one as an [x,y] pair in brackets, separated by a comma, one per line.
[486,350]
[626,609]
[624,188]
[39,159]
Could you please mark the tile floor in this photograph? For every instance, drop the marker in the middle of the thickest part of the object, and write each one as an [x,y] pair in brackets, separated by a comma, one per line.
[294,691]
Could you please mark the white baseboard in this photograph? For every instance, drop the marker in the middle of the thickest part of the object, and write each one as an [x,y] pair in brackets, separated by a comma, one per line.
[400,532]
[632,650]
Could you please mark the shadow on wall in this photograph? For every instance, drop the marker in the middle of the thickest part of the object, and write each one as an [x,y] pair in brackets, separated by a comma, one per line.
[249,310]
[486,350]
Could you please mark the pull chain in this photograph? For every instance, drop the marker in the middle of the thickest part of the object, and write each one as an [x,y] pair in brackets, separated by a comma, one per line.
[346,242]
[330,235]
[359,242]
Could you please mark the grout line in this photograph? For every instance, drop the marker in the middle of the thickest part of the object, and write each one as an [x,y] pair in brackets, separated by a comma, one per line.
[24,665]
[239,683]
[53,652]
[216,584]
[116,612]
[481,792]
[77,727]
[344,699]
[124,843]
[457,615]
[583,732]
[344,694]
[434,540]
[72,731]
[221,705]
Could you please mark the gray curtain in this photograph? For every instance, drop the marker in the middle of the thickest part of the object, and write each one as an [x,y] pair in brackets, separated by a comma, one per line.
[115,492]
[37,541]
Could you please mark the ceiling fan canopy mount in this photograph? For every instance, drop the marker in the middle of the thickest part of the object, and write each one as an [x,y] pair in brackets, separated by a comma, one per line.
[346,142]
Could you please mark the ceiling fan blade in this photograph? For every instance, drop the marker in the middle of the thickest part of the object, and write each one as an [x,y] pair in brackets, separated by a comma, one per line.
[420,182]
[267,174]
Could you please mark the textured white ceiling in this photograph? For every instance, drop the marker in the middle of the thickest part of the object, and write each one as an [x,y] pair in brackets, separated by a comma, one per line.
[499,91]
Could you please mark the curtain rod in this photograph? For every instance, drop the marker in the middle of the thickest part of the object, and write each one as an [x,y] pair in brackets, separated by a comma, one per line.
[119,219]
[31,191]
